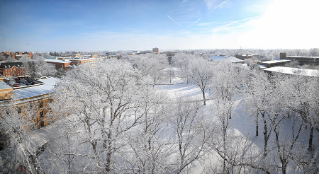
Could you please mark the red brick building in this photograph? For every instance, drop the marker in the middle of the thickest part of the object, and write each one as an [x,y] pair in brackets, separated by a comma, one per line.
[12,69]
[16,54]
[156,50]
[58,64]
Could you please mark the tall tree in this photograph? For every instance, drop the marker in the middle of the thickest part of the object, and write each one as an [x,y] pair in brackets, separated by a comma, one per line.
[201,73]
[21,151]
[105,98]
[190,130]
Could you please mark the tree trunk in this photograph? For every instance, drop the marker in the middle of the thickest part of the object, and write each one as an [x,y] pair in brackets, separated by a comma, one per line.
[108,161]
[203,91]
[257,125]
[310,138]
[265,134]
[224,144]
[107,144]
[170,76]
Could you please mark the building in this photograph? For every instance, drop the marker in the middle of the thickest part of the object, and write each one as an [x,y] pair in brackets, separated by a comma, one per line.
[83,61]
[247,56]
[33,100]
[8,69]
[58,64]
[67,63]
[303,60]
[273,63]
[6,91]
[156,50]
[293,71]
[223,58]
[16,55]
[37,96]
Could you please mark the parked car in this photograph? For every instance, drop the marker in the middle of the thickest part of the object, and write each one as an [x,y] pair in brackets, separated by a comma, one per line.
[29,83]
[16,85]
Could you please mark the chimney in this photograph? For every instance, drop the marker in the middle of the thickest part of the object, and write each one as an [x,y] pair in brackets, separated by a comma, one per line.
[283,56]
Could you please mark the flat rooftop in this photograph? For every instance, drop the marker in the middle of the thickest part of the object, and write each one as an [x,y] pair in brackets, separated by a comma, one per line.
[275,61]
[34,91]
[303,57]
[221,58]
[57,60]
[4,85]
[294,71]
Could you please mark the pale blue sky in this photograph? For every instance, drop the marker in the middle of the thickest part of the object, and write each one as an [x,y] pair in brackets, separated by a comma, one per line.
[82,25]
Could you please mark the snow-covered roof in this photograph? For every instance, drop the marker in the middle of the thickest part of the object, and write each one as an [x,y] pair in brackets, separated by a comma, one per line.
[4,85]
[51,57]
[80,59]
[261,66]
[294,71]
[56,60]
[275,61]
[46,88]
[306,57]
[220,58]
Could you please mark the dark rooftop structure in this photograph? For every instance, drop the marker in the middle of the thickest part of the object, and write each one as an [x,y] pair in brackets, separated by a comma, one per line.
[303,60]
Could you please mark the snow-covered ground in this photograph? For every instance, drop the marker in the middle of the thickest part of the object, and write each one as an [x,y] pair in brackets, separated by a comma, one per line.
[243,125]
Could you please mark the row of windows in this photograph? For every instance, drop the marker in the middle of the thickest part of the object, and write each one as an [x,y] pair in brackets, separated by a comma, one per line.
[9,66]
[40,105]
[10,70]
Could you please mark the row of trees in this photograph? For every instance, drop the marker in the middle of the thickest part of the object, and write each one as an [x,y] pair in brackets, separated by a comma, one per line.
[114,121]
[37,67]
[150,65]
[273,98]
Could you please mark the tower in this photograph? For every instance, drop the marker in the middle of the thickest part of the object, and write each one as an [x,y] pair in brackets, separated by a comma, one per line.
[156,50]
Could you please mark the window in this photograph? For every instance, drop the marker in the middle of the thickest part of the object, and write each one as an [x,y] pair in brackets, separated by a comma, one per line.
[41,104]
[42,123]
[50,101]
[41,114]
[19,110]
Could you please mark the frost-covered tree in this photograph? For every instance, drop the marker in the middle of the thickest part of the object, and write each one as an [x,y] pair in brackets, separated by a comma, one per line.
[22,149]
[43,68]
[181,60]
[149,144]
[191,133]
[258,101]
[201,73]
[224,83]
[105,99]
[314,52]
[150,65]
[37,67]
